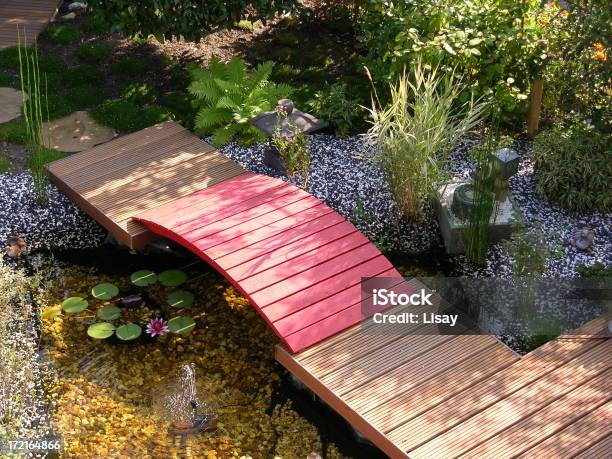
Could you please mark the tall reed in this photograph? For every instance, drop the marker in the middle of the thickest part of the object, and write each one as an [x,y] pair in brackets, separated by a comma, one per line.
[34,99]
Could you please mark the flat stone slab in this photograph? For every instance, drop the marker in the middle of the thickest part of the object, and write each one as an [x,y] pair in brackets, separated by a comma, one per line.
[75,132]
[10,104]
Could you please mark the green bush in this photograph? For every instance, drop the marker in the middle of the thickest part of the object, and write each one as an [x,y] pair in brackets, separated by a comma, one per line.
[574,167]
[85,96]
[228,97]
[494,43]
[189,18]
[93,52]
[595,270]
[55,106]
[125,116]
[182,107]
[83,74]
[333,104]
[129,67]
[139,93]
[14,131]
[62,34]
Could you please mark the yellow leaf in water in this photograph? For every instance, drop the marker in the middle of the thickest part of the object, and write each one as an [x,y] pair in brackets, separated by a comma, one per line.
[51,312]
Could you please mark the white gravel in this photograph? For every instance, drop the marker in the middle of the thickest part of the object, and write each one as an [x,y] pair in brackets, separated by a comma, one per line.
[57,224]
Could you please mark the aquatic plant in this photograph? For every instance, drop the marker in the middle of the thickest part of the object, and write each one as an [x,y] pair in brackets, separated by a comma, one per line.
[180,299]
[104,291]
[157,327]
[74,304]
[143,278]
[172,278]
[128,332]
[183,325]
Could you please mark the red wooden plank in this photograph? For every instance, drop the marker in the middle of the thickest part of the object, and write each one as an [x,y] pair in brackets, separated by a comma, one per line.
[324,308]
[326,289]
[235,231]
[313,276]
[291,251]
[223,220]
[272,236]
[312,261]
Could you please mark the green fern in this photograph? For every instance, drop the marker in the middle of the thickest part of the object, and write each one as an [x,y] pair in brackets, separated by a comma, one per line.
[228,96]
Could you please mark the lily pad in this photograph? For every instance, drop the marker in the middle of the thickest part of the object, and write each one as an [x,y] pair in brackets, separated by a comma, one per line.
[143,278]
[74,304]
[109,313]
[180,299]
[172,278]
[128,332]
[181,325]
[101,330]
[104,291]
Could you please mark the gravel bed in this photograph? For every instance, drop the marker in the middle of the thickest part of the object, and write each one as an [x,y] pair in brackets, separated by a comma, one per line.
[57,224]
[344,177]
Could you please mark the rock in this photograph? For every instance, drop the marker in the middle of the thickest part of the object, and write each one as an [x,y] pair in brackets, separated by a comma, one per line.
[75,132]
[10,104]
[16,246]
[583,240]
[77,7]
[68,17]
[131,301]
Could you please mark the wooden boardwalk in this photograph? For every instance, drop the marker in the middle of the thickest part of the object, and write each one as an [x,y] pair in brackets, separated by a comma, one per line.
[422,395]
[32,16]
[117,180]
[297,261]
[464,396]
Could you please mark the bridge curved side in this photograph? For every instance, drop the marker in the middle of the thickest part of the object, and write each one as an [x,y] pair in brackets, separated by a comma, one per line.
[297,261]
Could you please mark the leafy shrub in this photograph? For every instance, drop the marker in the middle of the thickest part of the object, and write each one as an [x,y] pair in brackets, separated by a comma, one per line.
[294,155]
[83,74]
[334,105]
[228,96]
[528,251]
[95,24]
[415,132]
[62,34]
[574,167]
[595,270]
[125,116]
[14,131]
[496,44]
[129,67]
[139,94]
[92,52]
[189,18]
[85,96]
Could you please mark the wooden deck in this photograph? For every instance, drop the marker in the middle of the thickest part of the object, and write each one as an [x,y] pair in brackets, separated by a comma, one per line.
[119,179]
[467,396]
[297,261]
[32,16]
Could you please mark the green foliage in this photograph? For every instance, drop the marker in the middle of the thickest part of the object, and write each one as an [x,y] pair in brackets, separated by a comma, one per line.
[528,251]
[83,74]
[190,18]
[333,104]
[15,131]
[183,325]
[139,93]
[182,107]
[85,96]
[415,132]
[62,34]
[5,80]
[104,291]
[143,278]
[125,116]
[573,167]
[578,73]
[172,278]
[96,25]
[41,156]
[55,107]
[228,97]
[496,44]
[93,53]
[595,270]
[74,304]
[129,67]
[294,154]
[4,163]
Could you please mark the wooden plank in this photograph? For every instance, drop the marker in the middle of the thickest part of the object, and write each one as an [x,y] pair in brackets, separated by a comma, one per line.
[601,449]
[554,417]
[459,408]
[461,438]
[32,16]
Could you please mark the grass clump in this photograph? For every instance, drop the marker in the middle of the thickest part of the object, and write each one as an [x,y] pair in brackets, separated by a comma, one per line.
[92,53]
[181,106]
[14,131]
[62,34]
[4,163]
[42,156]
[129,67]
[56,106]
[83,74]
[140,93]
[85,96]
[126,116]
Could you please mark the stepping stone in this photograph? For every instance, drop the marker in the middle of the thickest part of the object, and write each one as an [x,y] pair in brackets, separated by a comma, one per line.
[75,132]
[10,104]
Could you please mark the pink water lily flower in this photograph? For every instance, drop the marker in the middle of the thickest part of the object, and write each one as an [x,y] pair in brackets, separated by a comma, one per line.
[157,327]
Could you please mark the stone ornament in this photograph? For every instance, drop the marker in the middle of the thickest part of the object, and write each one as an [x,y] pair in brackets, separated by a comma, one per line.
[75,132]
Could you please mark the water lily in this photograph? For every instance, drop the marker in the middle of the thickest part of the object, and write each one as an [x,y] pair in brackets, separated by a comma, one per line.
[157,327]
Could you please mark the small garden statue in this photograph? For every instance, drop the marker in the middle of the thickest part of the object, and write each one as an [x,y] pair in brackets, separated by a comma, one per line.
[583,240]
[16,246]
